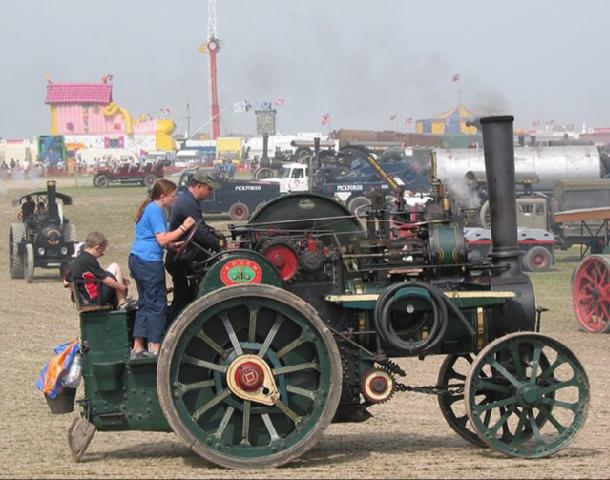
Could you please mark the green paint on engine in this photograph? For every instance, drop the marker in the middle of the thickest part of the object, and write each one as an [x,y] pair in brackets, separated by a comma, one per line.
[239,267]
[120,394]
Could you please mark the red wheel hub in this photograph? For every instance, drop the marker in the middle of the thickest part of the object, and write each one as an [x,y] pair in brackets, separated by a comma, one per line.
[249,376]
[284,258]
[591,293]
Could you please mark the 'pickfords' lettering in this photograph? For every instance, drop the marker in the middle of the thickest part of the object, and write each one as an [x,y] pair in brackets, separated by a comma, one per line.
[248,188]
[349,188]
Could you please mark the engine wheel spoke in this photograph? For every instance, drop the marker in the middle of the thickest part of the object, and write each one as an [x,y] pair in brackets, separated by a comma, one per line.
[245,423]
[303,392]
[291,346]
[212,403]
[231,333]
[294,368]
[252,324]
[270,336]
[183,388]
[204,364]
[208,341]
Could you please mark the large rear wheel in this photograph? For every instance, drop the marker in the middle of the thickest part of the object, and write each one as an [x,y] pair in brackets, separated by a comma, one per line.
[591,293]
[16,235]
[249,376]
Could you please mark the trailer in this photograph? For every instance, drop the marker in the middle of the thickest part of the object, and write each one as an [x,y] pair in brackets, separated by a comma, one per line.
[238,198]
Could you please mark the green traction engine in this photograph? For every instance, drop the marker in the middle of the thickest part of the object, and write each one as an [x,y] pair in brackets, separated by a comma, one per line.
[301,324]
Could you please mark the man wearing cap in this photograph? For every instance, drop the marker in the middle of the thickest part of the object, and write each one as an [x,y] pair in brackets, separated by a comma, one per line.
[200,187]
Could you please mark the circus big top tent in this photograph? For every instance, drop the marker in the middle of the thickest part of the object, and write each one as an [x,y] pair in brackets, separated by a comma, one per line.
[452,122]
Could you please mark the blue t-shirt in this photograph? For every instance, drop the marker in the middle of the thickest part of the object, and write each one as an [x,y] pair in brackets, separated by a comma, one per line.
[152,222]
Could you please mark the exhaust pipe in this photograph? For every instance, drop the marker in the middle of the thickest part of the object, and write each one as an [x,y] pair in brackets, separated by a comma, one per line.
[52,210]
[265,153]
[500,171]
[520,313]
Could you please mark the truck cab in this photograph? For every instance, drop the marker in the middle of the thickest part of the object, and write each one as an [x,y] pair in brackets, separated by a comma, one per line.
[293,178]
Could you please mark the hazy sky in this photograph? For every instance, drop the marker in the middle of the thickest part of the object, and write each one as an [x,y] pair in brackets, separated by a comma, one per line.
[361,61]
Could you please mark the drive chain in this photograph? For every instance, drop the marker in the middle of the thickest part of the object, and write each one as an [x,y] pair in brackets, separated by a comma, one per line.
[431,390]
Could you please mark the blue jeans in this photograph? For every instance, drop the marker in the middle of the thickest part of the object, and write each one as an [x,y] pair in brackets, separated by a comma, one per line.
[152,298]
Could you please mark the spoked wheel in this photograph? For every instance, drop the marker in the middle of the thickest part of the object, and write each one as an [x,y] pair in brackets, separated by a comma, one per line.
[453,375]
[249,376]
[101,181]
[527,395]
[591,293]
[263,172]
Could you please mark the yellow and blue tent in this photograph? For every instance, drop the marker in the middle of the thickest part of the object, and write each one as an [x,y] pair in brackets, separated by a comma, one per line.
[452,122]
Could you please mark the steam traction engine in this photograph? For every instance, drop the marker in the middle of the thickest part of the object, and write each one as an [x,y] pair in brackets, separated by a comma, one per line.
[297,328]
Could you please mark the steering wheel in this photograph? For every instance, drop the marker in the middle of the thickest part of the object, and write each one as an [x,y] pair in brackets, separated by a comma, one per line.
[187,241]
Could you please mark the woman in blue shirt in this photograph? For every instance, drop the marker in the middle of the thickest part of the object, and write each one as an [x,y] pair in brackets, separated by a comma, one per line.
[146,265]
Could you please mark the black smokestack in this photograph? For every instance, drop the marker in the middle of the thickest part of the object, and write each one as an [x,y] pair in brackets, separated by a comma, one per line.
[265,145]
[52,201]
[500,170]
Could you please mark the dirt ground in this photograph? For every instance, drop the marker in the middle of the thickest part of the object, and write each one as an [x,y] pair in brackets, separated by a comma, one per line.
[407,437]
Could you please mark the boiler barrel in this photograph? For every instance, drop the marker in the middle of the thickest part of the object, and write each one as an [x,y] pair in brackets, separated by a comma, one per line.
[550,163]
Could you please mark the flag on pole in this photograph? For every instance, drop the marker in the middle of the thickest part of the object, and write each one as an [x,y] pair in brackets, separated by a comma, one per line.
[408,121]
[455,77]
[326,119]
[392,117]
[278,102]
[241,107]
[266,106]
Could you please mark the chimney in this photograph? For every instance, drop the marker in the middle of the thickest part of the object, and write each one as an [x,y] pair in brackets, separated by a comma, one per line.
[500,171]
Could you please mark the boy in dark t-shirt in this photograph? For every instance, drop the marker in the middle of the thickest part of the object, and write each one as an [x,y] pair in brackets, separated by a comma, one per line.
[94,284]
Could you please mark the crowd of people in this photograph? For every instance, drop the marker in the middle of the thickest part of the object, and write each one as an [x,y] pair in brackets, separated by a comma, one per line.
[14,167]
[155,232]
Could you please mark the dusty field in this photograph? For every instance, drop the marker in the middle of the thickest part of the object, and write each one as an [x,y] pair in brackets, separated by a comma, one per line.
[407,437]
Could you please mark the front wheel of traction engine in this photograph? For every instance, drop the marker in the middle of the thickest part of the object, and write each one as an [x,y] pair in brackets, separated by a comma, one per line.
[249,376]
[527,395]
[28,262]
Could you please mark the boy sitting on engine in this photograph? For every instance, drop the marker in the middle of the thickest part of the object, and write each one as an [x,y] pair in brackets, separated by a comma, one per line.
[94,285]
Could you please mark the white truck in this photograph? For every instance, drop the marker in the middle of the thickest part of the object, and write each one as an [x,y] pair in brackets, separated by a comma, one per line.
[351,190]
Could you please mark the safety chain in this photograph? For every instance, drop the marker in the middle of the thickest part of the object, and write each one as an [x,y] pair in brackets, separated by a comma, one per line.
[436,390]
[393,367]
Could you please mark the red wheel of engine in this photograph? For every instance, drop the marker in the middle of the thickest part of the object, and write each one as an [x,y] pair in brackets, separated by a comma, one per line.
[591,293]
[284,258]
